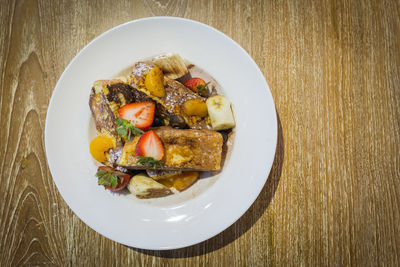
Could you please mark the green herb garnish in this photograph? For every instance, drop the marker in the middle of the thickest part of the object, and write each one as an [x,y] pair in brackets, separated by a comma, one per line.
[149,162]
[126,129]
[202,89]
[108,179]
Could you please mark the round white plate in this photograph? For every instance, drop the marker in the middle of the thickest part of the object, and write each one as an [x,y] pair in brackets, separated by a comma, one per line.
[209,206]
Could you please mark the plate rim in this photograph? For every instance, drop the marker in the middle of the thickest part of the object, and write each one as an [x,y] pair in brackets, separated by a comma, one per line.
[268,165]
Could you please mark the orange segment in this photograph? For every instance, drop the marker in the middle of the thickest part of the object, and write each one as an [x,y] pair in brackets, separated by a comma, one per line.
[195,107]
[180,181]
[154,82]
[100,146]
[168,182]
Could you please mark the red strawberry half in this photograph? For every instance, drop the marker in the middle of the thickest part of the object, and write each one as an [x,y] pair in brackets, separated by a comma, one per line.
[140,114]
[194,83]
[150,145]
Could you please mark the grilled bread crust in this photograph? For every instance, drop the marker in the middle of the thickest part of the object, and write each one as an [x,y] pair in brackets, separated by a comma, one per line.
[187,149]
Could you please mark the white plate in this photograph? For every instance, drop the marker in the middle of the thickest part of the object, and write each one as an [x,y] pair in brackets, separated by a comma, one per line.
[212,204]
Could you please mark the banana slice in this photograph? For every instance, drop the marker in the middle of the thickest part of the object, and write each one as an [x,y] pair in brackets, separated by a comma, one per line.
[142,186]
[220,112]
[172,65]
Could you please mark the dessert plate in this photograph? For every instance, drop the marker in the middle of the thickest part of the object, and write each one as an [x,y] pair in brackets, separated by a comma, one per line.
[209,206]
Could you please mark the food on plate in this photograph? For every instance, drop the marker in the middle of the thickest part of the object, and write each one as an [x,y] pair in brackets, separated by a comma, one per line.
[100,146]
[195,107]
[182,149]
[149,145]
[170,107]
[106,98]
[161,174]
[161,121]
[172,65]
[112,179]
[139,114]
[154,82]
[142,186]
[126,129]
[198,85]
[220,111]
[180,181]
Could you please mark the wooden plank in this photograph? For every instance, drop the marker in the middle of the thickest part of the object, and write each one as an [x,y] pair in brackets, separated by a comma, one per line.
[333,195]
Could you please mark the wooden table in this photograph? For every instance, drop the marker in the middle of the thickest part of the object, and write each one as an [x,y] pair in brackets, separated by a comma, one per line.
[333,196]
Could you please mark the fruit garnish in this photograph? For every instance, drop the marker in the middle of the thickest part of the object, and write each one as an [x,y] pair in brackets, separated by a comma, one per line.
[220,112]
[154,82]
[99,147]
[180,181]
[112,179]
[125,129]
[198,85]
[184,180]
[108,179]
[149,162]
[172,65]
[140,114]
[195,107]
[150,145]
[142,186]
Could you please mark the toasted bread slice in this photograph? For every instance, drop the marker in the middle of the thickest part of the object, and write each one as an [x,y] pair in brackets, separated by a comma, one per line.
[106,98]
[170,106]
[187,149]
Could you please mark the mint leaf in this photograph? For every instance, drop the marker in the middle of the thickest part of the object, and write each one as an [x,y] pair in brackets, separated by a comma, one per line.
[149,162]
[122,131]
[102,181]
[101,173]
[126,129]
[114,181]
[108,179]
[202,89]
[134,130]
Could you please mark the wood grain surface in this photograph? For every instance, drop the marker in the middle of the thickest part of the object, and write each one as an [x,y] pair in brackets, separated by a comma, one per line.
[333,196]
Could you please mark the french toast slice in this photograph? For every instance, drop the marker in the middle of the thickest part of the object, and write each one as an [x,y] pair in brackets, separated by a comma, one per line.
[106,97]
[171,105]
[184,149]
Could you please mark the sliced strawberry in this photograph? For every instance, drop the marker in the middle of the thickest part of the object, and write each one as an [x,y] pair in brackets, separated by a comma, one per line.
[140,114]
[150,145]
[194,83]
